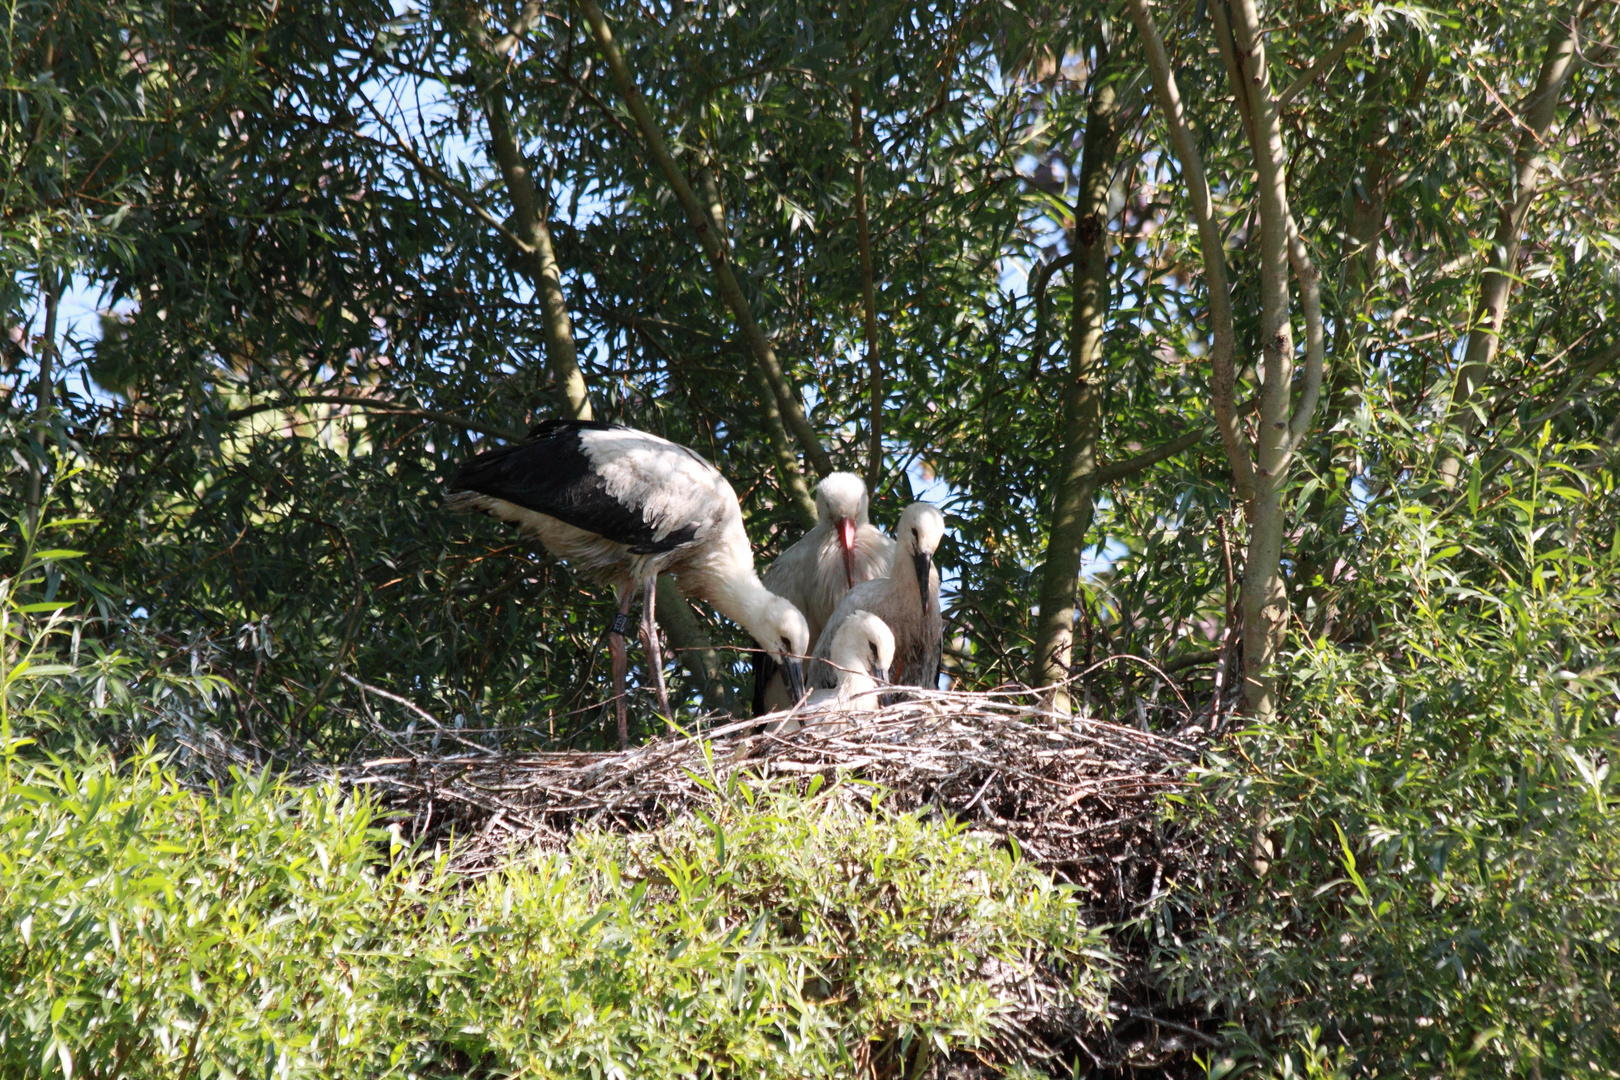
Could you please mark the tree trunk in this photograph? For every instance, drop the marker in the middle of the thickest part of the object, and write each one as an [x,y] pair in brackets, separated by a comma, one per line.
[1496,283]
[1263,606]
[45,391]
[1076,472]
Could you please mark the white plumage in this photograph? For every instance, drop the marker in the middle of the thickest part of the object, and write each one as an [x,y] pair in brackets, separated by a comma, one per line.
[841,550]
[907,600]
[860,654]
[625,506]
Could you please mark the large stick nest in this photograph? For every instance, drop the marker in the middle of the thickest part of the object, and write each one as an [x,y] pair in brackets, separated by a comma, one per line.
[1072,792]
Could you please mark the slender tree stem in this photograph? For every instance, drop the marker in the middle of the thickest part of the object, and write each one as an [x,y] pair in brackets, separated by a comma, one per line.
[529,222]
[1223,375]
[1333,55]
[1264,598]
[863,236]
[1496,283]
[692,646]
[1075,479]
[44,395]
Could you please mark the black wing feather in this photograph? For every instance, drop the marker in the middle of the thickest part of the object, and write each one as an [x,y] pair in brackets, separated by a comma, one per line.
[550,474]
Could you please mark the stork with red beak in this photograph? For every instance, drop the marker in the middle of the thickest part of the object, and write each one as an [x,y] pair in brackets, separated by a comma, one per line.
[842,550]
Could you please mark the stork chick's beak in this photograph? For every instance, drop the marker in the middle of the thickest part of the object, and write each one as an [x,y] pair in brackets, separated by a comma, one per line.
[846,537]
[793,672]
[922,562]
[879,672]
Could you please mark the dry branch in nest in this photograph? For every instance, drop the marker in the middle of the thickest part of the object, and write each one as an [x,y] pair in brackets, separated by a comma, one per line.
[1065,789]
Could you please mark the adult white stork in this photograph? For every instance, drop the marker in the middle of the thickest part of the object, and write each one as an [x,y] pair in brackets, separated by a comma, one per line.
[860,655]
[839,552]
[625,506]
[907,600]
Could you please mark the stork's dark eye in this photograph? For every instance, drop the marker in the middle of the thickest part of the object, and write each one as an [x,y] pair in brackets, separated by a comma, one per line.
[787,646]
[873,646]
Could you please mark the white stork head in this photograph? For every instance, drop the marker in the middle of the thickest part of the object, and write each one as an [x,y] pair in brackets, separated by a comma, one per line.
[865,645]
[921,528]
[841,502]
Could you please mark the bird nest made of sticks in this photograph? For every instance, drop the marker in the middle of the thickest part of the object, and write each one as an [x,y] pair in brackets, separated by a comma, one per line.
[1072,792]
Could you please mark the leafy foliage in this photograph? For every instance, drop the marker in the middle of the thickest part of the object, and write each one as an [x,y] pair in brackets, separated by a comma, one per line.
[295,221]
[1436,827]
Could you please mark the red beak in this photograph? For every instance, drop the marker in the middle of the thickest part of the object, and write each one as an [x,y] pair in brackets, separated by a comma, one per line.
[846,537]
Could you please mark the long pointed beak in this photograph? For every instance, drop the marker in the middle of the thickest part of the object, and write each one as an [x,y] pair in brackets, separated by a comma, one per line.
[793,672]
[846,537]
[922,562]
[881,674]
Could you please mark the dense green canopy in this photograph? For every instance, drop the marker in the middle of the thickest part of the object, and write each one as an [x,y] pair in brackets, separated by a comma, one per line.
[1272,349]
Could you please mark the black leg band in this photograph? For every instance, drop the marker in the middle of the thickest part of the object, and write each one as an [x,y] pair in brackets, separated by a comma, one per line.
[620,624]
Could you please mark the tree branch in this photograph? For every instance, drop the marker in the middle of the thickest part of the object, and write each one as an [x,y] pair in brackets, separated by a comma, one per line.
[1496,283]
[445,182]
[1043,278]
[719,259]
[529,216]
[863,236]
[561,354]
[44,395]
[379,406]
[1346,43]
[1310,295]
[1119,470]
[1224,378]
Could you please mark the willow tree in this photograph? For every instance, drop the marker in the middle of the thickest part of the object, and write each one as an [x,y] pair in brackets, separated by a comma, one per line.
[965,244]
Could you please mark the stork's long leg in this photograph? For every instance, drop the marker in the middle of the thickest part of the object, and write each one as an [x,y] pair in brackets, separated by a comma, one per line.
[621,623]
[655,656]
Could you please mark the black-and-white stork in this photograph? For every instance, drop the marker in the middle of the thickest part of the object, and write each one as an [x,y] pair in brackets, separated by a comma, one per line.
[907,600]
[625,506]
[839,552]
[861,654]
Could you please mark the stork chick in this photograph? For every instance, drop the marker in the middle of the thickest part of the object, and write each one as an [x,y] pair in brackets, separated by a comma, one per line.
[840,551]
[625,506]
[860,654]
[907,600]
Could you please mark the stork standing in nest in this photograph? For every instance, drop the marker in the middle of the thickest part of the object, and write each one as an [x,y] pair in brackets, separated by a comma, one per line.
[624,506]
[839,552]
[907,600]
